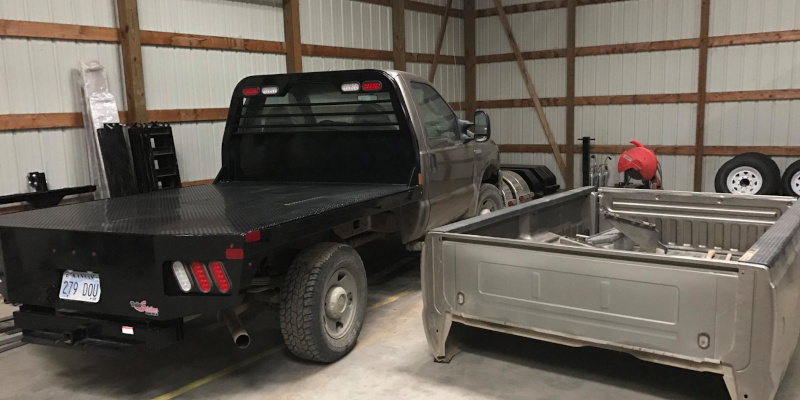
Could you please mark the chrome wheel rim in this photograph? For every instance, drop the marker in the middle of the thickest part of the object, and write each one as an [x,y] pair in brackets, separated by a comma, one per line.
[341,301]
[744,180]
[795,182]
[488,206]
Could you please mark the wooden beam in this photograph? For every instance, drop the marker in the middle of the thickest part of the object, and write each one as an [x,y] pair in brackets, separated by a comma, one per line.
[537,105]
[526,7]
[346,52]
[667,150]
[431,8]
[753,95]
[755,38]
[399,35]
[470,69]
[528,55]
[291,32]
[169,39]
[47,30]
[128,13]
[570,123]
[440,41]
[702,79]
[189,115]
[10,122]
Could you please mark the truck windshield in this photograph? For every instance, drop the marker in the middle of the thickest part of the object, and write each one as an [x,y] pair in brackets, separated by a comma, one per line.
[316,133]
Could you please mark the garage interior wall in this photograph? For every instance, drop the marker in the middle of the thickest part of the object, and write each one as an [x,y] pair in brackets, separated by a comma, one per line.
[636,77]
[193,54]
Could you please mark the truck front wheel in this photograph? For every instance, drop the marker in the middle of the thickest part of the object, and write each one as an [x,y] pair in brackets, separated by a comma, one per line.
[323,302]
[490,199]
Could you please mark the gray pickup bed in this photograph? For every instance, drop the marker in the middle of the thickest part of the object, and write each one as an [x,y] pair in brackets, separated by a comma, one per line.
[719,292]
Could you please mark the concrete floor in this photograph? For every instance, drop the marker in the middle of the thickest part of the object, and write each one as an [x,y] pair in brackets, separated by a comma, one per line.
[390,361]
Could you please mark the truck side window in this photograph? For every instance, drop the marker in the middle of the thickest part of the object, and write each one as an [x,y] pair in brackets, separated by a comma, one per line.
[440,121]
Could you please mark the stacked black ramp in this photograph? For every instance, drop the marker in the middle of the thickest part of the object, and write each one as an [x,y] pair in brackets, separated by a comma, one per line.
[139,158]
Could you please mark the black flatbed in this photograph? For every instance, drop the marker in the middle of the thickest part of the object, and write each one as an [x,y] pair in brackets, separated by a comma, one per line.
[232,208]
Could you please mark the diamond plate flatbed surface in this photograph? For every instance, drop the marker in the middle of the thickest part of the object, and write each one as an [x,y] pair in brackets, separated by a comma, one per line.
[218,209]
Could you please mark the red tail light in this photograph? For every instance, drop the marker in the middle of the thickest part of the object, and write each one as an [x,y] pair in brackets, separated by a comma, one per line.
[218,272]
[510,203]
[200,275]
[371,86]
[251,91]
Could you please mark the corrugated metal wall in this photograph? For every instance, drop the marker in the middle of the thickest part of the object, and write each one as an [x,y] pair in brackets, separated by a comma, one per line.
[752,67]
[617,74]
[37,77]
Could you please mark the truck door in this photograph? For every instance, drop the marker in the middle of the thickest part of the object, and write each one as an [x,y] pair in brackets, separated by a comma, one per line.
[451,162]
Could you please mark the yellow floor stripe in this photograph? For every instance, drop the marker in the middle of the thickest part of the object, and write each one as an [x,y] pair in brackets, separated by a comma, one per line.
[228,370]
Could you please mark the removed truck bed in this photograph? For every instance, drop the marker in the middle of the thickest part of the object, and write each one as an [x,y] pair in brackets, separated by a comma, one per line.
[717,289]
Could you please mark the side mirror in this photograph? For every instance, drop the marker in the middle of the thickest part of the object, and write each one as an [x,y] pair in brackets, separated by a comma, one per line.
[482,130]
[464,127]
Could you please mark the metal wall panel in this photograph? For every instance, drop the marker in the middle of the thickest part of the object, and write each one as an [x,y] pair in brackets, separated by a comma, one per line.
[639,73]
[763,123]
[315,64]
[78,12]
[346,23]
[449,79]
[538,30]
[226,18]
[484,4]
[522,126]
[733,17]
[497,81]
[459,4]
[37,75]
[191,78]
[422,31]
[637,21]
[754,67]
[651,124]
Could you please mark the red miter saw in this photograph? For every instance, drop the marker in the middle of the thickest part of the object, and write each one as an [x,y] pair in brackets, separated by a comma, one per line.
[640,167]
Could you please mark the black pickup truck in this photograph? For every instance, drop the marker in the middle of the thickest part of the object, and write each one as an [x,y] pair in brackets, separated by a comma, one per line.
[313,165]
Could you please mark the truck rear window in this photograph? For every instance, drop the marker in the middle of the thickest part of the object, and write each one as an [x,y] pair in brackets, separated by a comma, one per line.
[318,107]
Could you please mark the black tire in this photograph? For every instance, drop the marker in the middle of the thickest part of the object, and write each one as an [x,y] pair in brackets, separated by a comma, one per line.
[303,302]
[767,159]
[789,183]
[489,196]
[764,165]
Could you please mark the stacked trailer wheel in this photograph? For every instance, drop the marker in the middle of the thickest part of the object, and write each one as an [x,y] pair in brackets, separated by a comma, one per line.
[749,174]
[790,183]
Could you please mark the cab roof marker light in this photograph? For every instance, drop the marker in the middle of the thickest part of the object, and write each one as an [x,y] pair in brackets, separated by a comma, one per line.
[179,270]
[350,87]
[269,90]
[251,91]
[371,86]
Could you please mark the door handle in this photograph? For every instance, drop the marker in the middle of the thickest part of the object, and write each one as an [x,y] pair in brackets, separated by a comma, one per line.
[434,163]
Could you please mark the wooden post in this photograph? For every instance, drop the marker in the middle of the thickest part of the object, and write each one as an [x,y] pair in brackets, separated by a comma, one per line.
[470,71]
[702,74]
[571,34]
[399,34]
[291,32]
[128,15]
[440,41]
[537,104]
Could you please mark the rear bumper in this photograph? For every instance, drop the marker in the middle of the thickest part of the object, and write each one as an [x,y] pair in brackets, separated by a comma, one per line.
[48,327]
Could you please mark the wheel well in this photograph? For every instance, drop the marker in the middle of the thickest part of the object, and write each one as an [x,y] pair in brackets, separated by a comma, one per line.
[491,175]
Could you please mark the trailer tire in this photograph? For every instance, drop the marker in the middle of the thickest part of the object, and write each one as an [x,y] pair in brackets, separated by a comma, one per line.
[323,274]
[748,173]
[790,183]
[490,199]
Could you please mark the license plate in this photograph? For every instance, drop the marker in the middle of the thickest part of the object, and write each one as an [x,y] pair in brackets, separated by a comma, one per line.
[80,286]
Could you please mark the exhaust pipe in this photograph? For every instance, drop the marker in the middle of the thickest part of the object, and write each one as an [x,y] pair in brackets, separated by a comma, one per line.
[235,327]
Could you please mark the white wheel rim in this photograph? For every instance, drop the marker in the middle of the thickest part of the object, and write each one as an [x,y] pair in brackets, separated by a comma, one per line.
[795,182]
[744,180]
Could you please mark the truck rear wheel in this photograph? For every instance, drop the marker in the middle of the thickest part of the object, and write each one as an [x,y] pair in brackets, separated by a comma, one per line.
[489,199]
[323,302]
